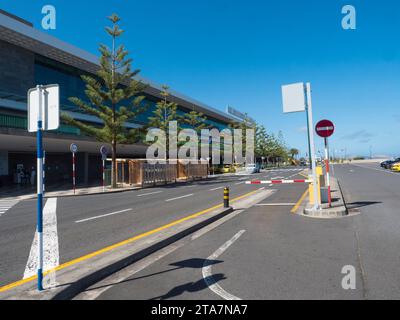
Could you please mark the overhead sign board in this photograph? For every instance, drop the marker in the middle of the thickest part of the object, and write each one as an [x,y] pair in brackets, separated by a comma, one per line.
[325,128]
[293,97]
[238,114]
[49,97]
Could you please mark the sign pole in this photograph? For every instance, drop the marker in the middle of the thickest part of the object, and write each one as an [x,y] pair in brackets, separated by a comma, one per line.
[40,192]
[103,152]
[307,89]
[43,115]
[73,172]
[325,129]
[44,172]
[104,176]
[308,135]
[328,183]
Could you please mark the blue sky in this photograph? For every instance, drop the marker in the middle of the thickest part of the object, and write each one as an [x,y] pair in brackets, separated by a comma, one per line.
[239,53]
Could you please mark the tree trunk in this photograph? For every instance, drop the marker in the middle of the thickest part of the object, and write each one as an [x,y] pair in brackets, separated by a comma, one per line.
[114,166]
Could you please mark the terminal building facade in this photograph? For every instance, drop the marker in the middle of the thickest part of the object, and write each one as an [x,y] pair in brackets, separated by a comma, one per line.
[30,57]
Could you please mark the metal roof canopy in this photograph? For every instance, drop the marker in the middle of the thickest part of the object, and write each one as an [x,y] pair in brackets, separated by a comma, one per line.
[23,35]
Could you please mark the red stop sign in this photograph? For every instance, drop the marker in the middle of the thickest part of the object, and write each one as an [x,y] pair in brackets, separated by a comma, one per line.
[325,128]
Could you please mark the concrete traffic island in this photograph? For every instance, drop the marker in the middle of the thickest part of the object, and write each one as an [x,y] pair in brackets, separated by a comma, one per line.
[338,208]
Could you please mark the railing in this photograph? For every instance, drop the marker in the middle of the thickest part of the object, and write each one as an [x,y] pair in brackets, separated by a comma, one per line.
[153,174]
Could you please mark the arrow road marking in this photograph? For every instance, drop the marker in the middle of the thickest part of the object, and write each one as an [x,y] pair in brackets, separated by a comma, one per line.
[207,269]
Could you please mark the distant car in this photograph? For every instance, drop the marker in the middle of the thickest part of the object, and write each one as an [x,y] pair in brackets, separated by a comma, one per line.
[385,164]
[228,169]
[396,167]
[389,163]
[303,163]
[252,168]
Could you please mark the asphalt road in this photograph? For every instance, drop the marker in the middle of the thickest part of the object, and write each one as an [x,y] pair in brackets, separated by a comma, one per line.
[89,223]
[375,192]
[267,253]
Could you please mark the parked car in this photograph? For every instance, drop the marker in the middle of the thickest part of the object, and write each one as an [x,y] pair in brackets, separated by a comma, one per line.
[396,167]
[303,163]
[252,168]
[389,163]
[385,164]
[228,169]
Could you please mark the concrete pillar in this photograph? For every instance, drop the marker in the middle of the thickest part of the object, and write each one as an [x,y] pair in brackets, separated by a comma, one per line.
[4,163]
[86,168]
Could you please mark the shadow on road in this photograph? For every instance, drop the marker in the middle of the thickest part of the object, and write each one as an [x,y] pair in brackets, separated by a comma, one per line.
[190,287]
[360,204]
[195,263]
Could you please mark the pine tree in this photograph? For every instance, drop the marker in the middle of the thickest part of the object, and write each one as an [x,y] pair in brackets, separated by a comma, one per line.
[114,97]
[244,125]
[195,120]
[164,113]
[261,142]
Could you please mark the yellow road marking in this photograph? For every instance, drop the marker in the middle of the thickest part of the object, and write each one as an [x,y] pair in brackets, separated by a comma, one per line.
[119,244]
[304,175]
[294,210]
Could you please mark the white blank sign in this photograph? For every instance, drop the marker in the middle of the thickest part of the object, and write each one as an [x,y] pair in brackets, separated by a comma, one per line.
[293,98]
[50,108]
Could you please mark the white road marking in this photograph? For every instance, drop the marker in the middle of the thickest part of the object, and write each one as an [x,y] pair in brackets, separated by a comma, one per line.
[148,194]
[216,189]
[177,198]
[207,269]
[104,215]
[236,184]
[127,272]
[6,205]
[93,292]
[274,204]
[381,170]
[51,256]
[276,178]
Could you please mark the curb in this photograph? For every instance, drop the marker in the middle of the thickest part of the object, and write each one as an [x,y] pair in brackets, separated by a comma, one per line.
[73,288]
[34,196]
[339,211]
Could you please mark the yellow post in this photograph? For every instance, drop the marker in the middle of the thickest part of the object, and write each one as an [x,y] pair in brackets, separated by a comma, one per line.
[311,186]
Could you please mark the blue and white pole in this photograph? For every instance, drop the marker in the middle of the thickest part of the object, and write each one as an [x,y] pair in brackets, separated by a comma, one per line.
[44,173]
[40,191]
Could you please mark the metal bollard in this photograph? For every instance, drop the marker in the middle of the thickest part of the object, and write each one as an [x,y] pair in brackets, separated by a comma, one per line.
[226,197]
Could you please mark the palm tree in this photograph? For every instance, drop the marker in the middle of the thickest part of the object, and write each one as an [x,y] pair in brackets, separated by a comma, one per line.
[294,152]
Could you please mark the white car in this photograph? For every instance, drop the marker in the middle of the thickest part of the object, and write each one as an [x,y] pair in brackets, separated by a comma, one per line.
[252,168]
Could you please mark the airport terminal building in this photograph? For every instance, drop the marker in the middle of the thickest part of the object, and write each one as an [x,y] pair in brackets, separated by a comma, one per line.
[30,57]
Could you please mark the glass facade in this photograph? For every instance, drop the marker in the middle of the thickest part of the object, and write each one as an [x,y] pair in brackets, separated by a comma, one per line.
[71,85]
